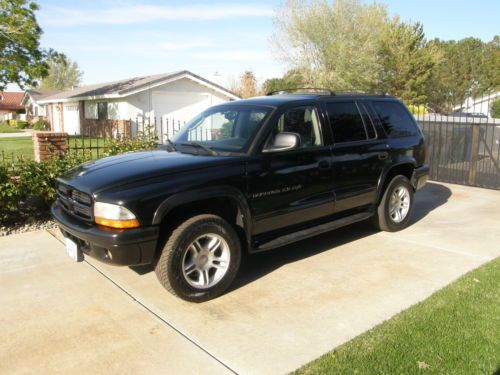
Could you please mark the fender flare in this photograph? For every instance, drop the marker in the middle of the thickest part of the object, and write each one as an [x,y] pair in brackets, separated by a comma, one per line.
[381,181]
[191,196]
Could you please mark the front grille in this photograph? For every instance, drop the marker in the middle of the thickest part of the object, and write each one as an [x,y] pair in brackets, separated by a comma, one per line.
[75,202]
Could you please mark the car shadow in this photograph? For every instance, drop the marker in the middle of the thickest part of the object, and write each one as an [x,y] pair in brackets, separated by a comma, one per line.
[255,266]
[430,197]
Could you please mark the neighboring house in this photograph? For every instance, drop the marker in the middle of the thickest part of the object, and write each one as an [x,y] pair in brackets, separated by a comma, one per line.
[30,101]
[10,106]
[119,107]
[479,105]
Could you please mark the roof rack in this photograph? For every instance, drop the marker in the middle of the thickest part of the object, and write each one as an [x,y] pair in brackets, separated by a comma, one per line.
[318,89]
[328,91]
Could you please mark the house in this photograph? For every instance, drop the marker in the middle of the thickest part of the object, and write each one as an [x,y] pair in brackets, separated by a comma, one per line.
[478,106]
[35,110]
[120,107]
[10,106]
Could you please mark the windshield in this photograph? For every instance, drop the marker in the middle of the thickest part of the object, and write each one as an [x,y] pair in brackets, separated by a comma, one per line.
[226,129]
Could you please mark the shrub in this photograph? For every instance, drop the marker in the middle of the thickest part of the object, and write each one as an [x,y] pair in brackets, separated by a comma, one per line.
[18,124]
[41,125]
[117,146]
[495,108]
[418,109]
[27,181]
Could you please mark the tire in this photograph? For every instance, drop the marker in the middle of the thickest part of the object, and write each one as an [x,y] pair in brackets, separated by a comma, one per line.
[189,269]
[399,218]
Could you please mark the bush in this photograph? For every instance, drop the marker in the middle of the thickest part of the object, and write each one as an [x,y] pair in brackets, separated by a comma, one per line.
[495,108]
[41,125]
[18,124]
[117,146]
[27,181]
[418,109]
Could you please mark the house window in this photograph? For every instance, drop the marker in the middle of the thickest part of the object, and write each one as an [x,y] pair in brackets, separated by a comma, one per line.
[102,111]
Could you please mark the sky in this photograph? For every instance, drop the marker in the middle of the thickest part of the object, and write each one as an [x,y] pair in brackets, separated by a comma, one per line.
[116,39]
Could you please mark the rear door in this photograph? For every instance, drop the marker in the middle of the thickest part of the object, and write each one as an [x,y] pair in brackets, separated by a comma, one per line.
[359,154]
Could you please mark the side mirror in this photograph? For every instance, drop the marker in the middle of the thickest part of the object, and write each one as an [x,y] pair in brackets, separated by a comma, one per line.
[282,142]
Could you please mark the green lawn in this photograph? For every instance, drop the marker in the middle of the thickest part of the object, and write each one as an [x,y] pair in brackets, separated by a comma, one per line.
[455,331]
[7,129]
[16,147]
[23,146]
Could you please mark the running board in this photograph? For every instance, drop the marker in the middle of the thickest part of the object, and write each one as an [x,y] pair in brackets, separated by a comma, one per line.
[314,231]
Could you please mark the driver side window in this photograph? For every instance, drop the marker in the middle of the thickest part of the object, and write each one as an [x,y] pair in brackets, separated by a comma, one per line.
[303,121]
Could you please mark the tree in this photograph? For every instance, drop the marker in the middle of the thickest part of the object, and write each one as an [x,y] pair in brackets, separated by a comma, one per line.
[495,108]
[63,74]
[407,61]
[246,87]
[468,68]
[290,80]
[331,45]
[21,58]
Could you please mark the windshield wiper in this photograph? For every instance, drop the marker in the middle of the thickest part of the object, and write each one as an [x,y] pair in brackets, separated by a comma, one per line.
[203,147]
[171,145]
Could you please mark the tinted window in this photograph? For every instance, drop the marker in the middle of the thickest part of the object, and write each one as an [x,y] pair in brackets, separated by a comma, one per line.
[303,121]
[346,122]
[395,119]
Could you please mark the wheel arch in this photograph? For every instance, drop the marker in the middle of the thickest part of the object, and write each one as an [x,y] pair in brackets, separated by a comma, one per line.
[403,167]
[191,197]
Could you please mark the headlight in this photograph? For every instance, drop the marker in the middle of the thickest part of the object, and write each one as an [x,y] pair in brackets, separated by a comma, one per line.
[114,216]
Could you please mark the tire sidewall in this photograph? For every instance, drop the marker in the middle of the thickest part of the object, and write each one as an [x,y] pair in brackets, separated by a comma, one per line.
[394,184]
[179,246]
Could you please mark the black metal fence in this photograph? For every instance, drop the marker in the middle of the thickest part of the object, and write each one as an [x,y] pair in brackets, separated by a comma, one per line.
[463,150]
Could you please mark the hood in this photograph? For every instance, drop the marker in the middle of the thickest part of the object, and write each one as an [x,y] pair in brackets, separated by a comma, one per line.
[98,175]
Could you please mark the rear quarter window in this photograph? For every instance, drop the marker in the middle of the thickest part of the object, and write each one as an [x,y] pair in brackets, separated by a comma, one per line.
[395,120]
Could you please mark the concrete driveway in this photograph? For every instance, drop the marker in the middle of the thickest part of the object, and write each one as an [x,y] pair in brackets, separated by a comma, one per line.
[288,306]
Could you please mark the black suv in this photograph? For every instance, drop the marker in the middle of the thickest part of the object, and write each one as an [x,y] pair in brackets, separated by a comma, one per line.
[245,176]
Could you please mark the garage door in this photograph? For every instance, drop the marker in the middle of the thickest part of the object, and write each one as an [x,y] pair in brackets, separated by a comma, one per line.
[173,107]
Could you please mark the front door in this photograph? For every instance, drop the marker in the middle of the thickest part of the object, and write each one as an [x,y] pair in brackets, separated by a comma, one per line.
[292,186]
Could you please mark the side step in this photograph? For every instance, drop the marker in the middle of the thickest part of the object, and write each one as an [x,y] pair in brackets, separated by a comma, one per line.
[313,231]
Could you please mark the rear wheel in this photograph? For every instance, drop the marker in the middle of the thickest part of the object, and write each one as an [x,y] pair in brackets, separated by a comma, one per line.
[395,208]
[200,259]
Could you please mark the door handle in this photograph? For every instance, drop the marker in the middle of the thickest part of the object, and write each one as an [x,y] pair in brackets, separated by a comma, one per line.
[324,164]
[383,155]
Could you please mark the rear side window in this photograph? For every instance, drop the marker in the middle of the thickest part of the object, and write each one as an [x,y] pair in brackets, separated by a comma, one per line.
[346,122]
[395,119]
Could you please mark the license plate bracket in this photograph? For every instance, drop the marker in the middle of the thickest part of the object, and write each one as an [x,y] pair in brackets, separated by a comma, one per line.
[73,251]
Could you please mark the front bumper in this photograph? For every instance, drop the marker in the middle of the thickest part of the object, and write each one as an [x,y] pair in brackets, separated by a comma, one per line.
[420,176]
[123,247]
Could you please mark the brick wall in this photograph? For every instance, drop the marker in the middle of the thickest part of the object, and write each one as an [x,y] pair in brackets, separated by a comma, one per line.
[105,128]
[49,144]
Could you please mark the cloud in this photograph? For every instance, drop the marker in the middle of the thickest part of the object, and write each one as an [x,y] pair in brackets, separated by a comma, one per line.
[135,14]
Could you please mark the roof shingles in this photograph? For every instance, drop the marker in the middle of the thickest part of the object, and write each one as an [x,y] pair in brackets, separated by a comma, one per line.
[11,100]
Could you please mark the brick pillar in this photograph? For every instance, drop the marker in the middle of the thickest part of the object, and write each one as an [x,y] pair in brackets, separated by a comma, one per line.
[49,144]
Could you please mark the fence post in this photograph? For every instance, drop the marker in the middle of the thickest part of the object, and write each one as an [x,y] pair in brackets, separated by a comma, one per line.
[46,145]
[474,153]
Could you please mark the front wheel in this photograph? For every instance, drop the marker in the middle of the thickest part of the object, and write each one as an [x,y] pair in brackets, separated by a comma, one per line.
[395,208]
[200,259]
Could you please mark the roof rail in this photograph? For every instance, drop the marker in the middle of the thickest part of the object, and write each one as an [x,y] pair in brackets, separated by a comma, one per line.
[318,89]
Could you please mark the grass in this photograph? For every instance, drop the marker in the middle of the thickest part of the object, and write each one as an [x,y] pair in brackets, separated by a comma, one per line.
[4,128]
[455,331]
[15,147]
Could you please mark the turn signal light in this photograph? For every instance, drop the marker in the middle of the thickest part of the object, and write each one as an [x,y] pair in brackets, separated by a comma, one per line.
[120,224]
